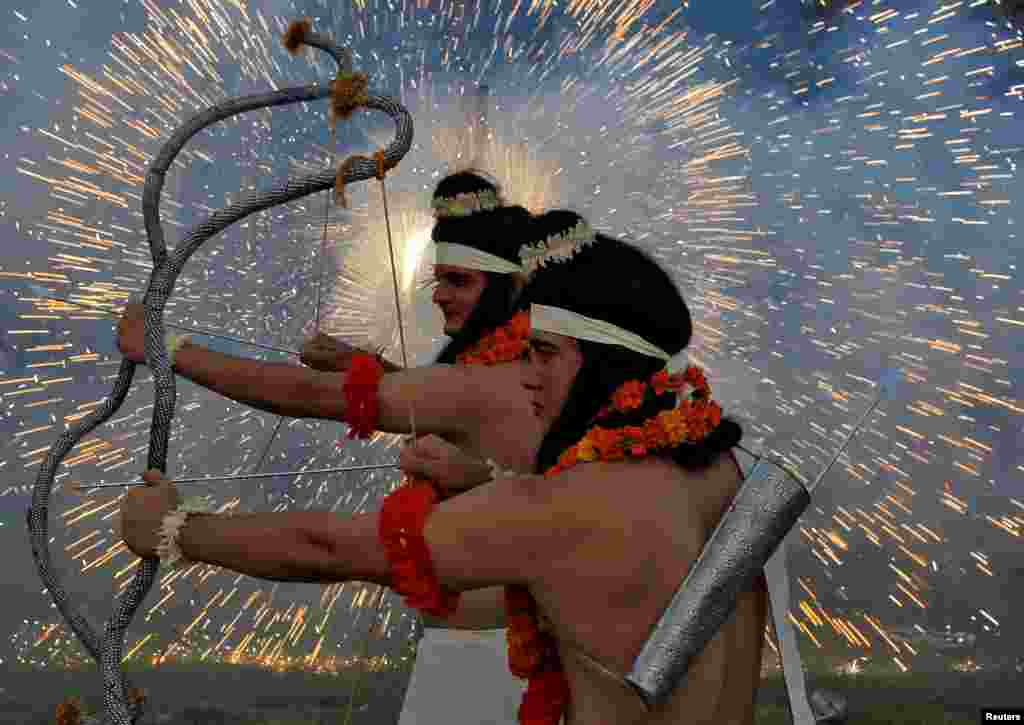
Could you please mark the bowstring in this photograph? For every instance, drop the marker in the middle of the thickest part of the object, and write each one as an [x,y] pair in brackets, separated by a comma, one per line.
[263,456]
[320,287]
[323,238]
[381,591]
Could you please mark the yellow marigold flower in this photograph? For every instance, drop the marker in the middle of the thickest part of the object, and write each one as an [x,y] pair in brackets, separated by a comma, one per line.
[674,424]
[654,435]
[585,450]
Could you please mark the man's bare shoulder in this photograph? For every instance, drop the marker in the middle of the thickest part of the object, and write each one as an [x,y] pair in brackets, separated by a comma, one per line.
[656,469]
[650,480]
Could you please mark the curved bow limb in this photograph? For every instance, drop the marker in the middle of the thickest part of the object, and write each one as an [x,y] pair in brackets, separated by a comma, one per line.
[161,287]
[166,269]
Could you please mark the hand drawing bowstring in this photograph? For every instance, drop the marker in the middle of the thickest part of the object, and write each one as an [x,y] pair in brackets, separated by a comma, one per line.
[348,92]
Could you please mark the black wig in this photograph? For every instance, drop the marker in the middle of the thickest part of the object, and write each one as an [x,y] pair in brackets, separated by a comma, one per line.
[500,232]
[618,283]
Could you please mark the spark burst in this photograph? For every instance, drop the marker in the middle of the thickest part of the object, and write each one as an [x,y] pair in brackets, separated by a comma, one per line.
[834,201]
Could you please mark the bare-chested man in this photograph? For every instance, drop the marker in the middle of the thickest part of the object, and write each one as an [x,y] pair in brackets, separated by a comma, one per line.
[477,281]
[600,547]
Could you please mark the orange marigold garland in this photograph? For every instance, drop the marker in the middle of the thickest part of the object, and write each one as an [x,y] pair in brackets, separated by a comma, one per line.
[400,528]
[689,422]
[533,653]
[405,511]
[362,407]
[505,344]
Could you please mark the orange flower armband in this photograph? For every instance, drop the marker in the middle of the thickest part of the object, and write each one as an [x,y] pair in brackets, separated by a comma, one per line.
[400,529]
[362,407]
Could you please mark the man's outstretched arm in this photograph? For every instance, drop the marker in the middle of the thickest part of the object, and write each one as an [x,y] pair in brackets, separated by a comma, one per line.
[510,532]
[439,399]
[274,387]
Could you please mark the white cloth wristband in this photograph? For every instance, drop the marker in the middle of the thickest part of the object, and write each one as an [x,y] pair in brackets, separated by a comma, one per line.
[169,548]
[499,472]
[174,342]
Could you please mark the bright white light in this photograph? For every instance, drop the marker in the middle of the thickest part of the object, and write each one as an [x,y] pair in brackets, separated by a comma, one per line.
[415,246]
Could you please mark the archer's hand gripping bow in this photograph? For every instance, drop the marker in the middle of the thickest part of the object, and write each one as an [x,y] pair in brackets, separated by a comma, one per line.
[167,267]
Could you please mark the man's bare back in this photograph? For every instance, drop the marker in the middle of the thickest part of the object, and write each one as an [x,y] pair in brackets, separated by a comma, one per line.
[607,595]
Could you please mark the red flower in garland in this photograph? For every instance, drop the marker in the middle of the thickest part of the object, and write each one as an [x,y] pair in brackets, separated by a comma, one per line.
[634,441]
[662,382]
[606,441]
[629,396]
[504,344]
[546,698]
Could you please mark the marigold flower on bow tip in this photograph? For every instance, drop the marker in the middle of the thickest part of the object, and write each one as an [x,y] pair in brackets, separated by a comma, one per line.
[348,92]
[295,35]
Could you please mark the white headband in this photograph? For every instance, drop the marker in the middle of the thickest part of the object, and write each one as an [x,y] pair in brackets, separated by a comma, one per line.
[566,322]
[461,255]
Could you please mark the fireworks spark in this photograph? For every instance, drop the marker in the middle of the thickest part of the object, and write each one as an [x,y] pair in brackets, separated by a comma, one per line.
[834,203]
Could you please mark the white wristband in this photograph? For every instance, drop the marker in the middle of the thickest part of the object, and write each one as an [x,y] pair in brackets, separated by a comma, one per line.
[174,342]
[169,550]
[499,472]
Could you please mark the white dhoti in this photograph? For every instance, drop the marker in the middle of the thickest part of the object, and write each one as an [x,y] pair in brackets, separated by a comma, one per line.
[462,676]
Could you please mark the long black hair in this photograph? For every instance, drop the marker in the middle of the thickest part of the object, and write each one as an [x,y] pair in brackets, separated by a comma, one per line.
[618,283]
[500,232]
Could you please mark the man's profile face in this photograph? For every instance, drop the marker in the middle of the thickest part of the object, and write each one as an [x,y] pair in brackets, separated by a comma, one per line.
[457,292]
[551,367]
